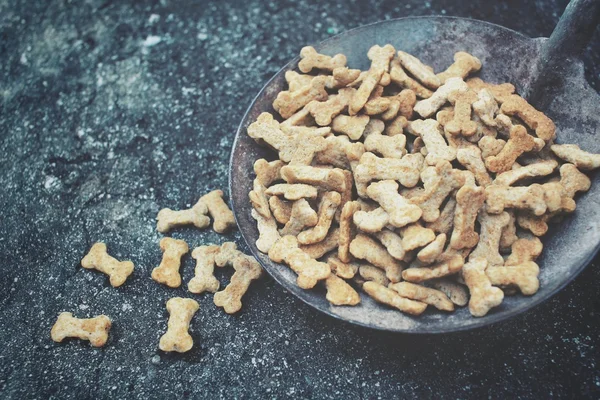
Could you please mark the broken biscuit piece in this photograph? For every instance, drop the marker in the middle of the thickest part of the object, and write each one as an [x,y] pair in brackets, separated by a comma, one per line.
[339,293]
[177,337]
[98,258]
[168,270]
[95,330]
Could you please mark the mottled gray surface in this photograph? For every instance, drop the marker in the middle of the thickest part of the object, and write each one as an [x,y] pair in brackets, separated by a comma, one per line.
[112,110]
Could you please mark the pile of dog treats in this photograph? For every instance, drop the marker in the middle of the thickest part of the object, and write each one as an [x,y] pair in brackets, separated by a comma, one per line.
[418,188]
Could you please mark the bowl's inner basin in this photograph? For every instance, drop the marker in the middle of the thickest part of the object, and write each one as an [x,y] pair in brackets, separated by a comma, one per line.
[507,57]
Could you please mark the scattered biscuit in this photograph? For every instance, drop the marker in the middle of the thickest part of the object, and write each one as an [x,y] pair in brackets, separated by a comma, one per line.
[168,271]
[177,337]
[95,330]
[204,279]
[247,269]
[168,219]
[98,258]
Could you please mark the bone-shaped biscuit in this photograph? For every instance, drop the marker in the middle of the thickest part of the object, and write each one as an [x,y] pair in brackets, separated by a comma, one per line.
[392,242]
[464,64]
[469,200]
[489,241]
[386,146]
[177,337]
[445,222]
[538,225]
[365,248]
[573,154]
[542,125]
[483,295]
[297,81]
[524,250]
[427,107]
[310,59]
[267,172]
[342,77]
[431,132]
[168,219]
[499,197]
[380,63]
[388,296]
[518,143]
[573,180]
[422,72]
[334,152]
[541,168]
[327,208]
[267,230]
[405,170]
[339,293]
[462,124]
[490,146]
[442,268]
[401,78]
[376,105]
[247,269]
[402,104]
[401,211]
[325,178]
[280,209]
[371,221]
[168,270]
[470,158]
[325,111]
[98,258]
[292,191]
[433,250]
[309,271]
[524,276]
[486,107]
[342,269]
[500,92]
[424,294]
[93,329]
[287,103]
[455,291]
[415,236]
[204,279]
[345,237]
[557,198]
[353,126]
[302,216]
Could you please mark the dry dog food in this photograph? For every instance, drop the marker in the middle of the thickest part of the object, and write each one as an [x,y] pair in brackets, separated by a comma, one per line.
[177,337]
[93,329]
[98,258]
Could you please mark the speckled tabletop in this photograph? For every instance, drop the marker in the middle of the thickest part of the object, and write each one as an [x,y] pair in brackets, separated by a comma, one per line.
[111,110]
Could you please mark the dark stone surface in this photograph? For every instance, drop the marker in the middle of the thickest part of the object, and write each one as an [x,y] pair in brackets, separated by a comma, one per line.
[100,126]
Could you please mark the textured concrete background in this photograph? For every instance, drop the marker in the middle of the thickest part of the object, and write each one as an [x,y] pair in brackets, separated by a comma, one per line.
[110,110]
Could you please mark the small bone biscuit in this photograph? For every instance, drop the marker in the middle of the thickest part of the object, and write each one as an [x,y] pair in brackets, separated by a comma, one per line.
[302,149]
[392,242]
[470,158]
[365,248]
[342,77]
[327,207]
[280,209]
[464,64]
[424,294]
[573,180]
[571,153]
[380,63]
[405,170]
[401,78]
[287,103]
[292,191]
[538,225]
[500,92]
[542,168]
[387,296]
[427,107]
[469,200]
[339,293]
[324,112]
[93,329]
[98,258]
[168,219]
[204,279]
[325,178]
[557,199]
[259,199]
[483,295]
[177,337]
[309,59]
[414,236]
[343,269]
[486,107]
[246,269]
[334,152]
[524,250]
[373,274]
[433,250]
[499,197]
[267,229]
[509,233]
[386,146]
[443,268]
[348,211]
[353,126]
[490,146]
[168,270]
[489,241]
[401,211]
[309,271]
[371,221]
[445,222]
[542,125]
[462,124]
[377,105]
[455,291]
[431,132]
[267,172]
[318,250]
[524,276]
[267,129]
[297,81]
[422,72]
[302,216]
[518,143]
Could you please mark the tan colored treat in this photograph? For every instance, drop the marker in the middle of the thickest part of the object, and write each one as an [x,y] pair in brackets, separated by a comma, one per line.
[301,118]
[469,200]
[168,219]
[571,153]
[486,107]
[509,233]
[401,211]
[97,258]
[424,294]
[489,242]
[573,180]
[520,142]
[310,59]
[297,81]
[431,132]
[267,230]
[353,126]
[483,295]
[246,269]
[524,276]
[204,279]
[325,178]
[302,216]
[386,146]
[387,296]
[504,124]
[524,250]
[464,64]
[342,77]
[259,199]
[168,271]
[445,222]
[422,72]
[443,268]
[392,242]
[339,293]
[455,291]
[433,250]
[541,168]
[401,104]
[268,172]
[327,207]
[365,248]
[538,225]
[373,274]
[427,107]
[348,211]
[227,253]
[396,127]
[470,158]
[386,79]
[557,199]
[354,152]
[371,221]
[93,329]
[177,337]
[334,152]
[380,63]
[309,270]
[405,170]
[490,146]
[400,77]
[376,106]
[342,269]
[499,197]
[318,250]
[500,92]
[292,191]
[414,236]
[438,182]
[280,209]
[287,103]
[325,112]
[461,124]
[536,120]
